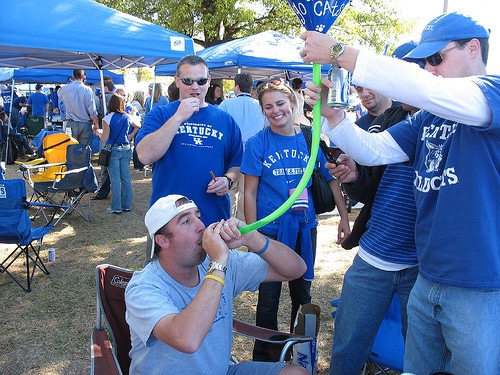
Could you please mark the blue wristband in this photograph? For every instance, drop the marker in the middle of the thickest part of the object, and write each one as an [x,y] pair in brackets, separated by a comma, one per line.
[264,248]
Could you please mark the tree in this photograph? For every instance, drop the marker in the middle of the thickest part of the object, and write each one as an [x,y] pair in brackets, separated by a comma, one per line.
[211,22]
[371,23]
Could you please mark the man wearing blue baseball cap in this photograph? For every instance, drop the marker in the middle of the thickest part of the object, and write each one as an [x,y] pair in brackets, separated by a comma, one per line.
[383,257]
[452,145]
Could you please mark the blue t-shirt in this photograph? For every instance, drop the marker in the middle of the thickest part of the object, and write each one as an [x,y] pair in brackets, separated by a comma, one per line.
[6,93]
[54,99]
[390,229]
[457,193]
[119,124]
[147,103]
[365,121]
[208,141]
[279,161]
[38,100]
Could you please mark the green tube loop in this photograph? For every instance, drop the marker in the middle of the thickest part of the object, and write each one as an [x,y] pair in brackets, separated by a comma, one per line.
[309,168]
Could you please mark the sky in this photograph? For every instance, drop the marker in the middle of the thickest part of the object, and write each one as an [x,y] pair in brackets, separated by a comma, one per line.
[484,11]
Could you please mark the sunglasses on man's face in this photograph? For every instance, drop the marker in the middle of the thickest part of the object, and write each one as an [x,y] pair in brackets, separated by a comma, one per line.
[190,81]
[437,58]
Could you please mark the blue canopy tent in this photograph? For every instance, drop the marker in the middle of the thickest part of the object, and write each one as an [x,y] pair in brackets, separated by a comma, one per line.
[82,34]
[53,76]
[265,55]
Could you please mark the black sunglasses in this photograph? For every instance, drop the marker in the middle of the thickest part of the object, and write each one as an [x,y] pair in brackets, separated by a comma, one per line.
[437,58]
[190,81]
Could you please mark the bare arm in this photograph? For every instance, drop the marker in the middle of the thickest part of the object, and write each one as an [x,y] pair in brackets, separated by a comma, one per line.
[135,122]
[343,229]
[156,144]
[250,203]
[105,131]
[317,49]
[284,263]
[456,99]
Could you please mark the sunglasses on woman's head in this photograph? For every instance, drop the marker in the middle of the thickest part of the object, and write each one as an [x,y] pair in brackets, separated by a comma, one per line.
[272,82]
[437,58]
[190,81]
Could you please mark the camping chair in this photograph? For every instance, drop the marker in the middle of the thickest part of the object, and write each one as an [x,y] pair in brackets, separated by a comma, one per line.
[387,351]
[37,142]
[33,125]
[15,228]
[44,169]
[71,184]
[110,346]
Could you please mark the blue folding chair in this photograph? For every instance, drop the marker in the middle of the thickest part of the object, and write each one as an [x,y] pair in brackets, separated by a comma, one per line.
[388,348]
[15,228]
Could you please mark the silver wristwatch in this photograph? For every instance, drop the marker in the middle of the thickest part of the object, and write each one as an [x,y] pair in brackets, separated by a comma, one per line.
[335,51]
[212,266]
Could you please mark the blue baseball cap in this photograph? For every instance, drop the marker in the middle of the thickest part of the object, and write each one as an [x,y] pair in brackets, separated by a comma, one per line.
[401,51]
[445,29]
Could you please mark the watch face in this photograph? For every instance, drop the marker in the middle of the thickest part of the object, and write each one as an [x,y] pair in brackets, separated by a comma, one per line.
[337,50]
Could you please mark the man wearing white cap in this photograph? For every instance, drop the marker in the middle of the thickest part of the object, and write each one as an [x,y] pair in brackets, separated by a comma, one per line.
[453,146]
[180,306]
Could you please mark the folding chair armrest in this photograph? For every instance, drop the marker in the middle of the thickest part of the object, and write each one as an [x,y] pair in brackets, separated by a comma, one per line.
[103,360]
[269,335]
[265,334]
[29,166]
[71,171]
[30,162]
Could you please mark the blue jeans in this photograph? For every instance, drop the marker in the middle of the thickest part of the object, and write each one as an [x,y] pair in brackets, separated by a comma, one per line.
[269,298]
[366,295]
[119,174]
[452,329]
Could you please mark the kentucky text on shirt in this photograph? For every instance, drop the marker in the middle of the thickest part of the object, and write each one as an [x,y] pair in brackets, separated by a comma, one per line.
[434,158]
[278,155]
[199,129]
[442,131]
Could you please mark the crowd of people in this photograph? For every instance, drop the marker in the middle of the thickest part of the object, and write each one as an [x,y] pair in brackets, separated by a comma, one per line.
[416,238]
[417,160]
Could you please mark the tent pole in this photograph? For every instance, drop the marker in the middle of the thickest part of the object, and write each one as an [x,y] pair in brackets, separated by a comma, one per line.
[153,91]
[9,127]
[103,97]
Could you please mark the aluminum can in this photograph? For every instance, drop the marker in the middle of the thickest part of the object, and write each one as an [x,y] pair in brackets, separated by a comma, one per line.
[52,255]
[338,95]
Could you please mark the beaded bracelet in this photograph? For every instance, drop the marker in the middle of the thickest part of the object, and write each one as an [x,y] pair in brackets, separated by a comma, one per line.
[264,248]
[216,278]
